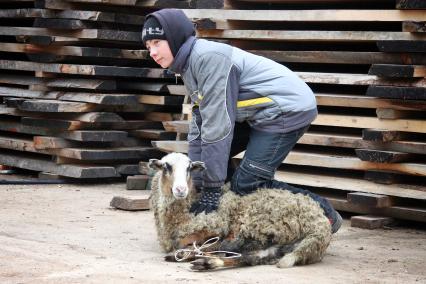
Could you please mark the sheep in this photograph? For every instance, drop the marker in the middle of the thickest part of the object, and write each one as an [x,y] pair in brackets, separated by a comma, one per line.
[268,226]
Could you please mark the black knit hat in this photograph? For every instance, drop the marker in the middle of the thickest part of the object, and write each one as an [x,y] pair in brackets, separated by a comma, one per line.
[152,29]
[175,24]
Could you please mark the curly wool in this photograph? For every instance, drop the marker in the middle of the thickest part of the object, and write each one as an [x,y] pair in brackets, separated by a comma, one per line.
[267,216]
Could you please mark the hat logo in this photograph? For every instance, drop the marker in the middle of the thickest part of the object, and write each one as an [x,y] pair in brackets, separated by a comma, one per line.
[152,31]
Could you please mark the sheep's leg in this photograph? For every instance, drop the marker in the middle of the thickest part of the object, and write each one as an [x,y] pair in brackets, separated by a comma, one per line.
[309,250]
[187,243]
[269,255]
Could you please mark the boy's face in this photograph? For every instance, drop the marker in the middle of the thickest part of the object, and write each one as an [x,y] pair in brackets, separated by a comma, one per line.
[159,50]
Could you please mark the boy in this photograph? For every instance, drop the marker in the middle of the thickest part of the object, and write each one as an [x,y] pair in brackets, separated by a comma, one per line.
[241,100]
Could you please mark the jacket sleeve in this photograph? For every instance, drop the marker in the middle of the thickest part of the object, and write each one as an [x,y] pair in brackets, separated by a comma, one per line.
[218,86]
[194,140]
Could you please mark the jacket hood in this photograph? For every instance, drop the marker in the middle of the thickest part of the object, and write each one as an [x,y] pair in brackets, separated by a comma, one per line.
[176,25]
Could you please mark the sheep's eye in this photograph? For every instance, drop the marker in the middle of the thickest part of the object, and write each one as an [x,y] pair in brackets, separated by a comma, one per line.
[167,167]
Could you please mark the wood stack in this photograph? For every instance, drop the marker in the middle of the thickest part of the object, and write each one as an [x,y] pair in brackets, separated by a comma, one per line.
[77,90]
[79,96]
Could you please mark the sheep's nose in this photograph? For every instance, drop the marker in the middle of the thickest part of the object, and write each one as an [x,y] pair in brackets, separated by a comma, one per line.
[180,188]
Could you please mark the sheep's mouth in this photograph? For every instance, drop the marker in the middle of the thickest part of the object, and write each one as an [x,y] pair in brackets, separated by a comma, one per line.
[180,195]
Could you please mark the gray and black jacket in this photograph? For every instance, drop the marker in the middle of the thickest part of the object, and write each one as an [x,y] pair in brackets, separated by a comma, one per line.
[227,84]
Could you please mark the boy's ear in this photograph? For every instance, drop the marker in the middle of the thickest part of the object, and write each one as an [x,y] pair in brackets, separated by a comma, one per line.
[155,164]
[197,166]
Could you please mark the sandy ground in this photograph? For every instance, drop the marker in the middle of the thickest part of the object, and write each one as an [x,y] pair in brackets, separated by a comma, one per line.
[69,234]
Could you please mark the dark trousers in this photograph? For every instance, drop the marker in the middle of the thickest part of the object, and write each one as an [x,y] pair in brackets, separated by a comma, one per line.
[264,153]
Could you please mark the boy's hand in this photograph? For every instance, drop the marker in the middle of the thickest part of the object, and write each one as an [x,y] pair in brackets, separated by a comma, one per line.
[208,202]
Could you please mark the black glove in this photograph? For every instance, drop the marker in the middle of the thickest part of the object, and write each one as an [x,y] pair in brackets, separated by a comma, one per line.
[208,202]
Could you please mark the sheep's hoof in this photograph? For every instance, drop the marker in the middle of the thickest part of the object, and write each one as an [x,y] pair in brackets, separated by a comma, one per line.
[203,264]
[170,257]
[287,261]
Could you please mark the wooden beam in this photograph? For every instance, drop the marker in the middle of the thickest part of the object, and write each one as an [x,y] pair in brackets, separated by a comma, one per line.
[414,27]
[377,156]
[351,15]
[171,146]
[370,222]
[349,162]
[348,184]
[400,212]
[160,100]
[411,4]
[388,113]
[95,16]
[370,199]
[311,36]
[86,69]
[130,203]
[41,164]
[341,57]
[83,135]
[381,135]
[402,46]
[409,125]
[398,71]
[395,92]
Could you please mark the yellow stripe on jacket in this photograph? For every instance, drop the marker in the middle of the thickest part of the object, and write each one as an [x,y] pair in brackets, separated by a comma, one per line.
[253,102]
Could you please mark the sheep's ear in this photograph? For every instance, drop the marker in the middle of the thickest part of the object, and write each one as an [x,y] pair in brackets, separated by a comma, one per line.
[197,166]
[155,164]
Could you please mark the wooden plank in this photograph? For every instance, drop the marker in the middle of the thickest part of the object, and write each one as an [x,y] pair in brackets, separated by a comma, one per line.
[160,100]
[411,4]
[137,182]
[63,125]
[93,84]
[41,164]
[97,98]
[154,134]
[171,146]
[96,16]
[72,35]
[176,126]
[108,153]
[398,71]
[341,57]
[395,92]
[370,222]
[388,113]
[158,87]
[370,199]
[130,203]
[78,135]
[307,15]
[177,90]
[414,27]
[86,69]
[348,184]
[402,46]
[380,135]
[377,156]
[345,100]
[408,125]
[311,36]
[56,106]
[48,142]
[297,157]
[400,212]
[127,169]
[382,177]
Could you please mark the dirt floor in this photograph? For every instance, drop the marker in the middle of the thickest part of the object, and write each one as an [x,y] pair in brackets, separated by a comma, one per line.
[69,234]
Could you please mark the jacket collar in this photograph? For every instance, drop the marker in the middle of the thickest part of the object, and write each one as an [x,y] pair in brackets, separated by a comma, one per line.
[180,62]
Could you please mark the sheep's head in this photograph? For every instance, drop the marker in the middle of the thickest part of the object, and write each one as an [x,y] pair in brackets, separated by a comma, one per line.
[176,171]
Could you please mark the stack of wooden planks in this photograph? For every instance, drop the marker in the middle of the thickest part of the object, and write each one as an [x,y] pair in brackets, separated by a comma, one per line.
[79,96]
[81,99]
